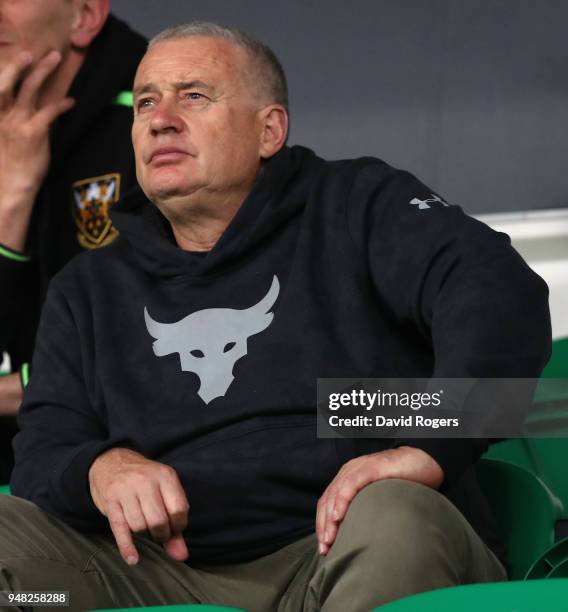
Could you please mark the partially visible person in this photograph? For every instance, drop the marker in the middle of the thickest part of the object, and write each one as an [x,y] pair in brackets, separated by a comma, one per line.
[66,68]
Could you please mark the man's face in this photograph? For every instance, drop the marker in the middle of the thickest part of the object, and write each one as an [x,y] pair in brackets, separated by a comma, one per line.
[34,25]
[196,130]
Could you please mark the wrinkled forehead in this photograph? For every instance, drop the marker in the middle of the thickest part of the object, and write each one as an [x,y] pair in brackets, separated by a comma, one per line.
[199,57]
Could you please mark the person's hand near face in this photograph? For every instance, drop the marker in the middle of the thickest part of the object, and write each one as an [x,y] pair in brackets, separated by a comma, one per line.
[35,35]
[42,46]
[24,139]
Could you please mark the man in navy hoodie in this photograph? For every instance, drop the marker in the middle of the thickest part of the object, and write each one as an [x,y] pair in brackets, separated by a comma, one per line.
[168,449]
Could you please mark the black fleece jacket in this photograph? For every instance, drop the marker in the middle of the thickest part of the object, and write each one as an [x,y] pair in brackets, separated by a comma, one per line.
[89,142]
[209,363]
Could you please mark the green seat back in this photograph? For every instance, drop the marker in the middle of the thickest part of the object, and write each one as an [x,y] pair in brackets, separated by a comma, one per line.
[531,596]
[525,511]
[550,458]
[550,410]
[5,490]
[178,608]
[517,451]
[553,563]
[546,458]
[557,366]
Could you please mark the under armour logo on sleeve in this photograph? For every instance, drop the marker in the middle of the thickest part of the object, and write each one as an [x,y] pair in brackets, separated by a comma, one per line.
[424,204]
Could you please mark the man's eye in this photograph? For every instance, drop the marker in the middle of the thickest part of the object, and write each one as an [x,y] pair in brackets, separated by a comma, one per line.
[195,96]
[144,103]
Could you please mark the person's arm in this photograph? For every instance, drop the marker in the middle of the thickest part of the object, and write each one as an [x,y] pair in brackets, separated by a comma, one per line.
[460,286]
[18,288]
[24,159]
[68,463]
[60,435]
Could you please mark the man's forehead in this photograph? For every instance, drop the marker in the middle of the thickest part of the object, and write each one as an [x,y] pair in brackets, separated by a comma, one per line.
[188,58]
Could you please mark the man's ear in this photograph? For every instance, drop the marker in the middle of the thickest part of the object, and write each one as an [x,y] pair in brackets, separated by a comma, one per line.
[89,18]
[274,120]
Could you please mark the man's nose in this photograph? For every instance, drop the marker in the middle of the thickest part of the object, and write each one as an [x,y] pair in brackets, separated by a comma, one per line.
[166,117]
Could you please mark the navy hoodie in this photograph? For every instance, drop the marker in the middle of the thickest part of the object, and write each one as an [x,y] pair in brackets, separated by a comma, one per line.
[208,363]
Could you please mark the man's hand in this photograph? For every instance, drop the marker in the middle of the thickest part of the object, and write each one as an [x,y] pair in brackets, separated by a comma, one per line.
[136,495]
[25,120]
[406,462]
[10,394]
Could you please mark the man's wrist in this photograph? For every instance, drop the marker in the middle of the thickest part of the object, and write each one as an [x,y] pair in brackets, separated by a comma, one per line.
[18,256]
[115,456]
[418,465]
[15,215]
[17,199]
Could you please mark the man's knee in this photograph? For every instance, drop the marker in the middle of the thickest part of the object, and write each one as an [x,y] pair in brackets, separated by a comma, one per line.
[406,524]
[401,507]
[399,523]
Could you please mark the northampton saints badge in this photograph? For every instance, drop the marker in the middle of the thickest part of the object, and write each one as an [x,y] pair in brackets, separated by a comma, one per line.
[93,199]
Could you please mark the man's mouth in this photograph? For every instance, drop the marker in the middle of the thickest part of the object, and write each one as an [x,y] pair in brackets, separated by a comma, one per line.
[165,155]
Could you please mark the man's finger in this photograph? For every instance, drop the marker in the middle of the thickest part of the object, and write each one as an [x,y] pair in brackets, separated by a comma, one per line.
[340,497]
[320,521]
[133,514]
[156,516]
[329,527]
[346,491]
[31,85]
[330,533]
[48,114]
[10,76]
[121,533]
[177,548]
[340,508]
[175,501]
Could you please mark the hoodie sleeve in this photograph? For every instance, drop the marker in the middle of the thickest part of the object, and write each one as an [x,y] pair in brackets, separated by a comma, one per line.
[60,434]
[17,280]
[456,282]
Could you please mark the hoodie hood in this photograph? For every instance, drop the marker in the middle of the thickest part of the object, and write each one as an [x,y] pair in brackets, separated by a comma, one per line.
[278,195]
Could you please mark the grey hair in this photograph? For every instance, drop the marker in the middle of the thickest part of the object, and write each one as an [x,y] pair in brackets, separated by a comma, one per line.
[266,71]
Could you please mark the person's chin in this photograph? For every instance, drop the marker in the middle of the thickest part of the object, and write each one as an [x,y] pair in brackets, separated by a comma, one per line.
[168,190]
[169,181]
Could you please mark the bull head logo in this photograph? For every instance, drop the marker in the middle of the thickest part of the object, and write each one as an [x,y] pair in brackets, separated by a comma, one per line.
[209,342]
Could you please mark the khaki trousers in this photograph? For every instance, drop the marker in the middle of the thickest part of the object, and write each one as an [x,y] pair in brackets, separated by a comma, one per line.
[398,538]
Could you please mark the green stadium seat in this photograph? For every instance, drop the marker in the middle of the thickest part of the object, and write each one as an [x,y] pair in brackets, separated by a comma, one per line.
[5,490]
[177,608]
[544,452]
[553,563]
[549,457]
[531,596]
[525,510]
[557,366]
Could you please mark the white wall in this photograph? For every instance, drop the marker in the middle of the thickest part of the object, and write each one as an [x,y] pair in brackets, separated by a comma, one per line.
[541,237]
